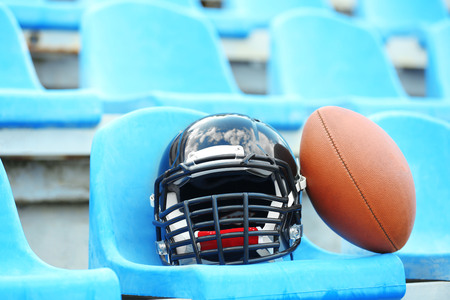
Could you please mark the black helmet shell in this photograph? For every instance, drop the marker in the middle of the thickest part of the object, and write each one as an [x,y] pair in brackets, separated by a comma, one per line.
[255,136]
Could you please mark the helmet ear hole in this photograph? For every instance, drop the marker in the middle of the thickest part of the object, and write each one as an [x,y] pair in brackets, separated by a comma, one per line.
[284,154]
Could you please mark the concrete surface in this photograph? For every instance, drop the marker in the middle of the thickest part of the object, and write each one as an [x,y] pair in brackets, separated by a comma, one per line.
[58,232]
[42,181]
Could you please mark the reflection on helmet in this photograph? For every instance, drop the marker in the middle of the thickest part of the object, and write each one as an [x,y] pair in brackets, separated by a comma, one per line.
[228,193]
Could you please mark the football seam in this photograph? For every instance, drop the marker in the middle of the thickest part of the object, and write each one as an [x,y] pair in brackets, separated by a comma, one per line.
[333,143]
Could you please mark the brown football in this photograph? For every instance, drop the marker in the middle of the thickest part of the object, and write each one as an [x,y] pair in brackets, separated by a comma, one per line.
[358,180]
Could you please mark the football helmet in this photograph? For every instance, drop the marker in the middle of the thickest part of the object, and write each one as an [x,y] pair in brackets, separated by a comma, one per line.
[229,192]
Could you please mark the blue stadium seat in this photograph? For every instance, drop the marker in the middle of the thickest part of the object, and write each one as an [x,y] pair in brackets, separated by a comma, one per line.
[125,160]
[47,14]
[23,100]
[35,109]
[424,141]
[173,51]
[24,276]
[316,54]
[16,67]
[431,107]
[437,73]
[281,112]
[133,47]
[401,17]
[237,18]
[60,14]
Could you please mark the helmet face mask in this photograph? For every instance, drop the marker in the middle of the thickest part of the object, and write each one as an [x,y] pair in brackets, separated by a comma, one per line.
[226,203]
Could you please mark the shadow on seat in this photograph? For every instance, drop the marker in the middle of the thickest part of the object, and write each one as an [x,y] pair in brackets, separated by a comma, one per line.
[23,100]
[424,141]
[437,73]
[401,17]
[24,276]
[316,54]
[125,160]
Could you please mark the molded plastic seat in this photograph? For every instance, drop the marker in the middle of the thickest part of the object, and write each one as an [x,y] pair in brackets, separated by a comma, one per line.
[237,18]
[36,109]
[424,141]
[125,160]
[51,14]
[401,17]
[281,112]
[284,112]
[24,276]
[133,47]
[16,67]
[317,55]
[437,73]
[23,100]
[431,107]
[47,14]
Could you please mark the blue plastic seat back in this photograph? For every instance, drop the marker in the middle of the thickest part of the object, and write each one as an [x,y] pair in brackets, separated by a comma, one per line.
[45,2]
[23,275]
[238,18]
[141,46]
[125,160]
[48,14]
[438,68]
[425,142]
[16,67]
[60,14]
[316,54]
[188,3]
[401,16]
[267,9]
[15,252]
